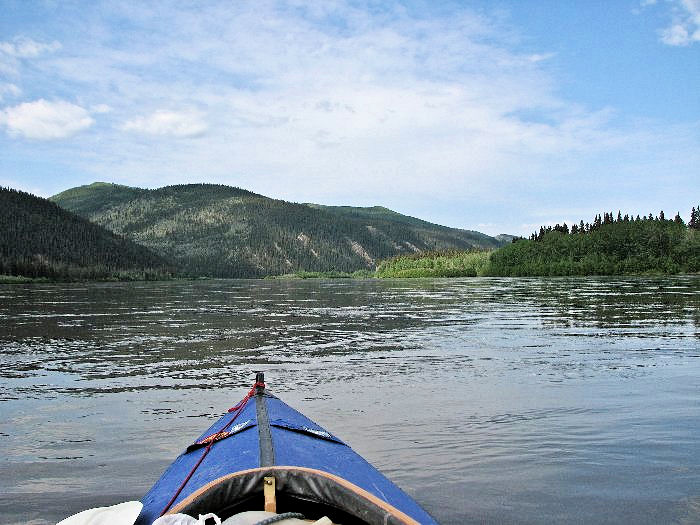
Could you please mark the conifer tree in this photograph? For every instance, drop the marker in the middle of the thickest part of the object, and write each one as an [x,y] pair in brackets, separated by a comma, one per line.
[694,223]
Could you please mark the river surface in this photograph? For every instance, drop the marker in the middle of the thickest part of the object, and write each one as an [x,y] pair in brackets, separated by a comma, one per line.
[488,400]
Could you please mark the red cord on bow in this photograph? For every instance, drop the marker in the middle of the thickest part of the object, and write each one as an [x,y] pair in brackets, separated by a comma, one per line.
[237,409]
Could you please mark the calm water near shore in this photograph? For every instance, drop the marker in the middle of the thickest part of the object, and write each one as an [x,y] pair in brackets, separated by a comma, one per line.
[488,400]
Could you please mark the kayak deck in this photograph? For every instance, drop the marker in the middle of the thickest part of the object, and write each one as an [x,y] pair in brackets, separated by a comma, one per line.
[315,472]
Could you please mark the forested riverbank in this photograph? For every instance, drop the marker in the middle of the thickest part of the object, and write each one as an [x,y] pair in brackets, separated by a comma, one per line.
[607,246]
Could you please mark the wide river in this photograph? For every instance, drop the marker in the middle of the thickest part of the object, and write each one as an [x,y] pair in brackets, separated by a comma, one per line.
[488,400]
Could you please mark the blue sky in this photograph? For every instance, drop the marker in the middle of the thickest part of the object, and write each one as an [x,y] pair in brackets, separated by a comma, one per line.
[497,116]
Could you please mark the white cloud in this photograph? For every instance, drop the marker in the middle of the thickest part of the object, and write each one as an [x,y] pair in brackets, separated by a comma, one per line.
[675,35]
[22,47]
[12,52]
[169,123]
[421,99]
[685,29]
[317,110]
[45,120]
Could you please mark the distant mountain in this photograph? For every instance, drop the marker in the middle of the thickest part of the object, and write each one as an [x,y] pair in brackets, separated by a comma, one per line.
[506,238]
[222,231]
[40,239]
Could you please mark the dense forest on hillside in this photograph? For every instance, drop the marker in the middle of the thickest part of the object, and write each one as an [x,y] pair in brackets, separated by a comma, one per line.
[607,246]
[221,231]
[442,238]
[40,239]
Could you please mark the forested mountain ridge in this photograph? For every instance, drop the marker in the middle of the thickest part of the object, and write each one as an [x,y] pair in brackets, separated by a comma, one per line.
[442,236]
[86,200]
[40,239]
[222,231]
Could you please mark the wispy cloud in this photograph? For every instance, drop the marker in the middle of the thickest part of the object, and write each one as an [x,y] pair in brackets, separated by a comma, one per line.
[339,102]
[22,47]
[685,27]
[310,98]
[9,89]
[169,123]
[539,57]
[45,120]
[100,108]
[13,52]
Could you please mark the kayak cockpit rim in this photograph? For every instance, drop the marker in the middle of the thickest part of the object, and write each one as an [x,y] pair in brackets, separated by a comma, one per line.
[231,493]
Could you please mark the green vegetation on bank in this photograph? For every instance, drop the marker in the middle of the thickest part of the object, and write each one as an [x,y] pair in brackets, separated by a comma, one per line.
[436,264]
[19,279]
[221,231]
[88,275]
[38,239]
[607,246]
[358,274]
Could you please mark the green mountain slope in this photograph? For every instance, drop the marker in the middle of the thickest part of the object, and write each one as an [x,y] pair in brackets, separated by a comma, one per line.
[90,199]
[439,237]
[222,231]
[40,239]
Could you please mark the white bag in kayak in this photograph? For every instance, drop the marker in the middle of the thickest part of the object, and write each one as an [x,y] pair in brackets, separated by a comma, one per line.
[184,519]
[122,514]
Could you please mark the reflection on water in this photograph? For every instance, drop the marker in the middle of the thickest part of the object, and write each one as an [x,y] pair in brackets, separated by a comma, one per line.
[498,400]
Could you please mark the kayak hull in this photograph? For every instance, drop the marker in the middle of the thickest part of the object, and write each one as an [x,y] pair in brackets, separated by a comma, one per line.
[268,437]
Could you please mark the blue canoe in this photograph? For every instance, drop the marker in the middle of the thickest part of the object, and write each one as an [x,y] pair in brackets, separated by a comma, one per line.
[315,473]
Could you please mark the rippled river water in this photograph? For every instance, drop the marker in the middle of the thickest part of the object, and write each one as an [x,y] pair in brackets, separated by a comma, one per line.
[488,400]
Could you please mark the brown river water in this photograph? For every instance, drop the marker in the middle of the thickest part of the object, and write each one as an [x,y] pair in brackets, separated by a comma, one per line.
[488,400]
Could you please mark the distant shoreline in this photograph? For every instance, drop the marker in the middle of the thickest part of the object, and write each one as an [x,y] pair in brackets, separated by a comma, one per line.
[607,247]
[21,279]
[12,279]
